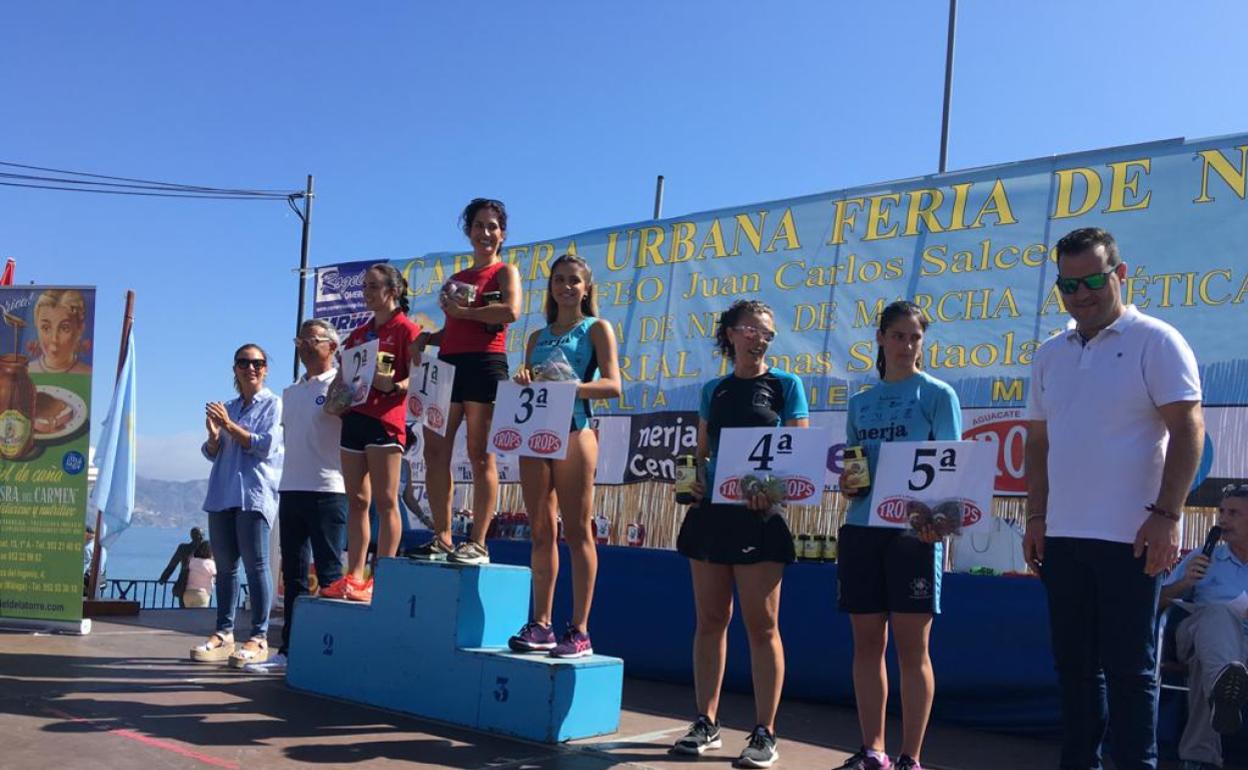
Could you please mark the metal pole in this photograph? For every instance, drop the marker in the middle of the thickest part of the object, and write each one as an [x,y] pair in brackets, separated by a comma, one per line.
[303,262]
[658,197]
[944,118]
[127,323]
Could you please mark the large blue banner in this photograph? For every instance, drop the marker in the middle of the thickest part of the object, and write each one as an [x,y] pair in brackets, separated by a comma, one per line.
[973,248]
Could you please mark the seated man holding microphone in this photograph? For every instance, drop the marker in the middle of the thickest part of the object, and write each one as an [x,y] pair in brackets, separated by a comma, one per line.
[1213,640]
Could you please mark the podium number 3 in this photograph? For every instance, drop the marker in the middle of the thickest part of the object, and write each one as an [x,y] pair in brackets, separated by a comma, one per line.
[500,692]
[526,404]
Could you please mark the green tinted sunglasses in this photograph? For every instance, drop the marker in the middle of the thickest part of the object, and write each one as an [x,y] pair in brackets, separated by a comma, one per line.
[1094,282]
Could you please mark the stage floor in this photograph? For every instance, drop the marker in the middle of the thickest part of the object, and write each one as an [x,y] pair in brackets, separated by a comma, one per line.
[126,697]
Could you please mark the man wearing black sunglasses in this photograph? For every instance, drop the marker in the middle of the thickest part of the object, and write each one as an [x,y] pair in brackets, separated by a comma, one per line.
[1113,443]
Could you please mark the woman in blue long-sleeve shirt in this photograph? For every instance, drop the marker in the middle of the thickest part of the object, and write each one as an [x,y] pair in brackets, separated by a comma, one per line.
[245,447]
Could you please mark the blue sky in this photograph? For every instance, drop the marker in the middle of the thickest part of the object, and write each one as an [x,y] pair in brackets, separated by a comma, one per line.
[565,110]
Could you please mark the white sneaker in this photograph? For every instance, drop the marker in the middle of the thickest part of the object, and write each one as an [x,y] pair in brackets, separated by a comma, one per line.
[276,664]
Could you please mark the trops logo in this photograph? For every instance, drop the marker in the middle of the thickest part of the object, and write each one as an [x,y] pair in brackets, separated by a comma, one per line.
[893,510]
[545,442]
[507,440]
[415,407]
[795,488]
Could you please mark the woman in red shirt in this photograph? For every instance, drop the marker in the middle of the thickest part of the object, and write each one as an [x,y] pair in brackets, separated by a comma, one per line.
[474,339]
[374,433]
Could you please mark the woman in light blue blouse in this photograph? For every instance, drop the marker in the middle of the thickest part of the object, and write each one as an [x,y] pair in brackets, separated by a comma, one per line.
[245,447]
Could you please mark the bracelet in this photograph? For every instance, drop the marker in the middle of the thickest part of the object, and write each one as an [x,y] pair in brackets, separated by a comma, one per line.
[1162,512]
[1033,516]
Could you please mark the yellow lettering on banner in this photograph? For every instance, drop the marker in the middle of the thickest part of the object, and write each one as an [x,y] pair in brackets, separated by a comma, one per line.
[814,317]
[650,288]
[543,253]
[844,217]
[723,286]
[803,363]
[1243,290]
[615,262]
[877,217]
[1053,302]
[861,356]
[651,242]
[752,234]
[1066,179]
[1205,296]
[868,316]
[998,205]
[1235,178]
[1034,255]
[702,325]
[1011,392]
[786,231]
[714,241]
[923,204]
[514,255]
[1123,180]
[655,328]
[682,248]
[961,193]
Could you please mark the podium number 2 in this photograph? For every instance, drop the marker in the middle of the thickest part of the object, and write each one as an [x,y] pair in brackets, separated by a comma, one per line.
[328,640]
[927,469]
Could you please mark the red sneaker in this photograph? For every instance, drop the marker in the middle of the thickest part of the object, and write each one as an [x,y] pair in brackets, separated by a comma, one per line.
[360,592]
[340,588]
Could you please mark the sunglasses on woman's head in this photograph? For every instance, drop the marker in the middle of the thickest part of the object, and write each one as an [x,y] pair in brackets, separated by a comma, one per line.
[1094,282]
[250,363]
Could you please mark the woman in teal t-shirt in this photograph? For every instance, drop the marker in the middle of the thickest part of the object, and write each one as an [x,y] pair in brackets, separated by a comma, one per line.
[885,574]
[575,343]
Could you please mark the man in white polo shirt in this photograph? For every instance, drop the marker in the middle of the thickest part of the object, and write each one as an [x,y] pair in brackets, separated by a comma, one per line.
[1113,444]
[312,511]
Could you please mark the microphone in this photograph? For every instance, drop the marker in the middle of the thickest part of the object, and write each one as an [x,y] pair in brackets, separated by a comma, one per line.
[1211,540]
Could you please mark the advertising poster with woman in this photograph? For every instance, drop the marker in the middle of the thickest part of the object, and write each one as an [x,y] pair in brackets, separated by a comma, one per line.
[45,398]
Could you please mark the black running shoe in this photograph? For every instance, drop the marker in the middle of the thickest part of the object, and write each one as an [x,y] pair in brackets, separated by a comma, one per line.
[1230,691]
[703,735]
[760,751]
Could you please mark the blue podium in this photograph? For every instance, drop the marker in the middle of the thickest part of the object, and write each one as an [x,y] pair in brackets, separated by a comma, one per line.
[434,644]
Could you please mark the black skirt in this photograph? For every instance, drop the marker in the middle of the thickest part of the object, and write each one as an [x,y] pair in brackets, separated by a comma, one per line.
[733,534]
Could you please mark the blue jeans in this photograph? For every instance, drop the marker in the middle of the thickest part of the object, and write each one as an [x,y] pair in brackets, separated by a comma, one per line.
[312,527]
[1102,614]
[237,534]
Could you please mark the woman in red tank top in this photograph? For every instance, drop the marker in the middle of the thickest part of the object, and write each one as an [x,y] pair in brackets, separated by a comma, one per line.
[479,303]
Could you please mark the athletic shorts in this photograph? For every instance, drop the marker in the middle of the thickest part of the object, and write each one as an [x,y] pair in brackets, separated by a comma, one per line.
[733,534]
[882,570]
[476,376]
[360,431]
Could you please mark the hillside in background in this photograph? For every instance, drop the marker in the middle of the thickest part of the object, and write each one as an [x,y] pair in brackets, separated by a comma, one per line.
[169,503]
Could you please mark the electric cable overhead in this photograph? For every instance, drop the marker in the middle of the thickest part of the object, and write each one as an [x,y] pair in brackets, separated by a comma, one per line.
[81,181]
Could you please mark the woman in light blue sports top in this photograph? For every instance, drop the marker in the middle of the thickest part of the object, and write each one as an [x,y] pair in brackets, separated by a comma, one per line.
[574,345]
[890,577]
